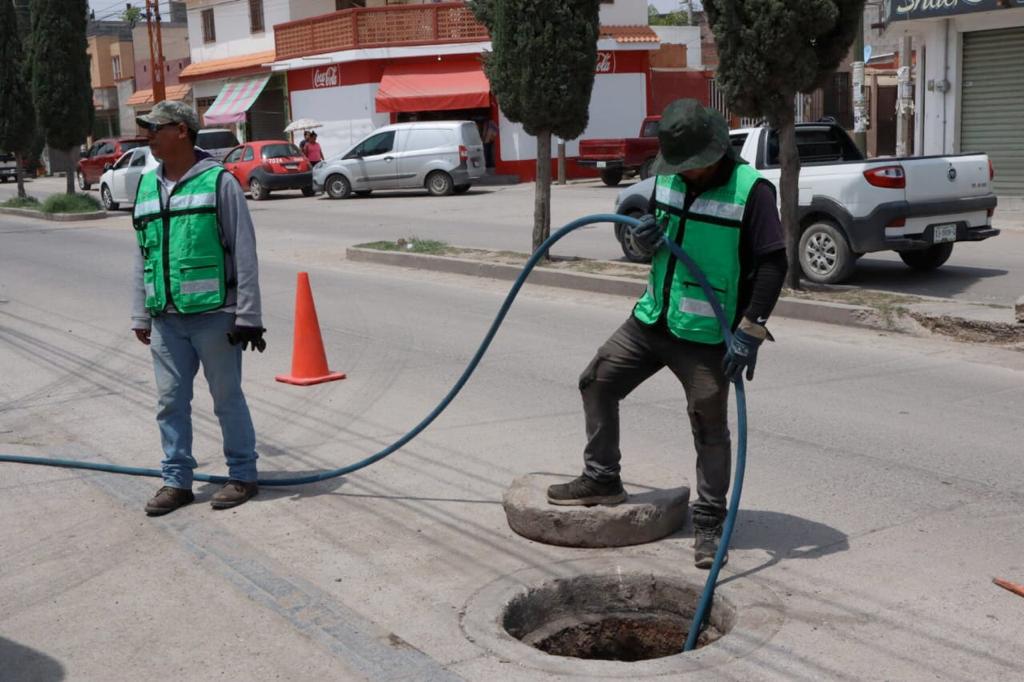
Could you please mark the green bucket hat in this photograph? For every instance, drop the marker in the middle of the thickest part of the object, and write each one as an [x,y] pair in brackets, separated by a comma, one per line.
[169,111]
[690,136]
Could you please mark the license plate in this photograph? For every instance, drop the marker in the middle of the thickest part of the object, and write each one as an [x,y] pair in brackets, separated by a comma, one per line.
[601,164]
[291,166]
[944,233]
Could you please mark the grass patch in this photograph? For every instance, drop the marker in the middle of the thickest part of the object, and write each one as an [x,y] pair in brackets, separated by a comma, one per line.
[22,202]
[410,245]
[70,203]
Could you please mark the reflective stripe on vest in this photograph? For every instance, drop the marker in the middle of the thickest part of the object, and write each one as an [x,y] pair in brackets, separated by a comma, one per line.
[181,244]
[709,231]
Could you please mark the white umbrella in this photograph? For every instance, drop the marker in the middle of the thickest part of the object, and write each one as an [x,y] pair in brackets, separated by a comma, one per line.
[303,124]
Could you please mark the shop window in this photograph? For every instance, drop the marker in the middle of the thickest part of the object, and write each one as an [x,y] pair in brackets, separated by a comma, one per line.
[209,29]
[256,16]
[348,4]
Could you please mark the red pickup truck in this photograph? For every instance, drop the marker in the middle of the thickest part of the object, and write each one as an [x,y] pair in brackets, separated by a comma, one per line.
[614,157]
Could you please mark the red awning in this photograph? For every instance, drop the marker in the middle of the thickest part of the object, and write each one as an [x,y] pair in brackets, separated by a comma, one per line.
[433,87]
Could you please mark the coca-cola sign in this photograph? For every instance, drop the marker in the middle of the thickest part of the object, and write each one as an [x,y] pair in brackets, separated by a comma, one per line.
[326,77]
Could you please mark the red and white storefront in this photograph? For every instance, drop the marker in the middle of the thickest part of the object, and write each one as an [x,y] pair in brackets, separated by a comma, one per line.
[354,91]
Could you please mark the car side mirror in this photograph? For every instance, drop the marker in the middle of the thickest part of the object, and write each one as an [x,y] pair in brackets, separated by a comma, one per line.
[107,166]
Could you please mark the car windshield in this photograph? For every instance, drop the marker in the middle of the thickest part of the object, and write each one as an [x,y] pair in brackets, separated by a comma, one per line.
[272,151]
[216,139]
[128,145]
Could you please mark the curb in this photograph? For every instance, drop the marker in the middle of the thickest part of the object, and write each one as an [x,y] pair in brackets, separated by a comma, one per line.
[793,308]
[53,217]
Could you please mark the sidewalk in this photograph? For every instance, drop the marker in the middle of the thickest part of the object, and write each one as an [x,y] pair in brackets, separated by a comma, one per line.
[843,305]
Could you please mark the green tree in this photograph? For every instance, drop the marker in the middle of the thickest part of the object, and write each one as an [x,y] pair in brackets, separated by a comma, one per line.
[61,87]
[541,71]
[656,18]
[17,120]
[770,50]
[131,15]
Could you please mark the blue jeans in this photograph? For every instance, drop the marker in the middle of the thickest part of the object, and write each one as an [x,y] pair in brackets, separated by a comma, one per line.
[179,343]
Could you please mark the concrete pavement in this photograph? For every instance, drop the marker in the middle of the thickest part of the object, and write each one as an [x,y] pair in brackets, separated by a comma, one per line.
[883,491]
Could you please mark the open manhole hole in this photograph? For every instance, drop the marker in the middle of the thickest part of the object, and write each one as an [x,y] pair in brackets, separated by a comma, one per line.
[633,617]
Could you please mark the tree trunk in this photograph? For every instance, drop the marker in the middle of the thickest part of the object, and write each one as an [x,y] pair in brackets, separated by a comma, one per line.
[789,194]
[72,165]
[542,191]
[20,174]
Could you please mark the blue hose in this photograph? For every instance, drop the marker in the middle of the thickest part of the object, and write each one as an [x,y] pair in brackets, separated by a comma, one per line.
[709,587]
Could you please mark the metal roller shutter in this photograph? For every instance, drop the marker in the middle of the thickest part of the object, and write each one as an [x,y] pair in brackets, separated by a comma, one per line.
[267,117]
[992,96]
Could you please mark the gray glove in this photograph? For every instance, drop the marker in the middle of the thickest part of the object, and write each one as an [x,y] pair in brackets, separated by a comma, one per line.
[648,234]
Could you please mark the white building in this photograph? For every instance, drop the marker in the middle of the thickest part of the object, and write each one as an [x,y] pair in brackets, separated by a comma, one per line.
[970,80]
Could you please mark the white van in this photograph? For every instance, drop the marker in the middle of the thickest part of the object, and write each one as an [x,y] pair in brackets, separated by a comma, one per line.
[443,157]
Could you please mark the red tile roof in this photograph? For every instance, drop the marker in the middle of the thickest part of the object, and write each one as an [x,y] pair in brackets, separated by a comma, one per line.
[630,34]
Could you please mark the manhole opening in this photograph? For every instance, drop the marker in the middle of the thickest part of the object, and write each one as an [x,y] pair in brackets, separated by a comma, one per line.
[613,618]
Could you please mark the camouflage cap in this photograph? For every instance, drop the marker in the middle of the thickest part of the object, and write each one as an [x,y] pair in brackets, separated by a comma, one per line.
[170,112]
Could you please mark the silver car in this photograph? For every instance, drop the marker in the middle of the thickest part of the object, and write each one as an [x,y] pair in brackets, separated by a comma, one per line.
[216,142]
[443,157]
[120,180]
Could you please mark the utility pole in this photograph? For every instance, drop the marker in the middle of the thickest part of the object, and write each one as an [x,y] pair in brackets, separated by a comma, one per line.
[860,114]
[156,57]
[905,98]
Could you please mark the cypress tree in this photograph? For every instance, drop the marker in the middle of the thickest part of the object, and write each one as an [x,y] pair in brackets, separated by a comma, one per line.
[770,50]
[61,88]
[541,70]
[17,119]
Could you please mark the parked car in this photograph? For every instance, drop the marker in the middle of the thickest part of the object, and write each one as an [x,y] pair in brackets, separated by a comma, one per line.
[267,165]
[100,155]
[443,157]
[918,206]
[616,157]
[8,167]
[120,181]
[216,142]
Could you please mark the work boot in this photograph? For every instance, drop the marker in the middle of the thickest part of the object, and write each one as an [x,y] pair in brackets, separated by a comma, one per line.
[167,499]
[705,546]
[233,494]
[586,492]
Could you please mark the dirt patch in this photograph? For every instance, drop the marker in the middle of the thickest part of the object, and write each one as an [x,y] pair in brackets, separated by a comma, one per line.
[973,331]
[625,638]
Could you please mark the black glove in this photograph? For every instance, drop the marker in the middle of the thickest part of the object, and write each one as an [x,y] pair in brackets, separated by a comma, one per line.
[741,354]
[648,234]
[249,337]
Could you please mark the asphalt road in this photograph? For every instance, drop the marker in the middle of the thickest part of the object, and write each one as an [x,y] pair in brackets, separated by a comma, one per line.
[883,493]
[502,218]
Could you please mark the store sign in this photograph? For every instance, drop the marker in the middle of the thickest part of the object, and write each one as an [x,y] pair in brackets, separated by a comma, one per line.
[327,77]
[897,10]
[605,62]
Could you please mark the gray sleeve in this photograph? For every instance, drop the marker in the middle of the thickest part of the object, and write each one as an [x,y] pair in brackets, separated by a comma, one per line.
[140,316]
[240,240]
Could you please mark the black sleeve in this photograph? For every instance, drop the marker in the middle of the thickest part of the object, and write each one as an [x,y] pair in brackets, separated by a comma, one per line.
[769,276]
[763,220]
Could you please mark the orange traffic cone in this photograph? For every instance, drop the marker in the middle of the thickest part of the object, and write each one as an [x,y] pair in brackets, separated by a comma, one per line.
[309,362]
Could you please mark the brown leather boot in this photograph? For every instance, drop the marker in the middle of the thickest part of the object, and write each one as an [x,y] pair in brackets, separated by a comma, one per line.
[233,494]
[167,499]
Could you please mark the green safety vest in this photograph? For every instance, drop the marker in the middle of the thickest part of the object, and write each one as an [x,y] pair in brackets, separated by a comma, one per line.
[181,243]
[709,231]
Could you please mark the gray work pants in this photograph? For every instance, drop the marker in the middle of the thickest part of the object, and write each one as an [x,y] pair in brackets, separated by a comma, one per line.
[630,356]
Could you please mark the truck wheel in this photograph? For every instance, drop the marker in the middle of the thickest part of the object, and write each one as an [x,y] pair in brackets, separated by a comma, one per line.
[630,250]
[647,170]
[338,187]
[928,259]
[825,257]
[440,184]
[611,176]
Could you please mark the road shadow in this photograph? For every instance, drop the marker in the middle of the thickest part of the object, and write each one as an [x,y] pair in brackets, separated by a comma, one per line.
[895,277]
[28,665]
[784,537]
[271,493]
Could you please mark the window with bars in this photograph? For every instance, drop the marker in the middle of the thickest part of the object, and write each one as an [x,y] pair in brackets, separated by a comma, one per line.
[209,30]
[256,16]
[115,63]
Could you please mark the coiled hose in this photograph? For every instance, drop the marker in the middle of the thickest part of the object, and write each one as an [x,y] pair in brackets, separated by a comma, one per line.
[703,605]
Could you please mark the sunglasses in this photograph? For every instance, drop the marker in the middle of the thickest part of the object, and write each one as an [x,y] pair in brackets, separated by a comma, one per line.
[157,127]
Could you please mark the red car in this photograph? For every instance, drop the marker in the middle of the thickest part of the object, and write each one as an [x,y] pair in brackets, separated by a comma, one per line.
[266,165]
[100,155]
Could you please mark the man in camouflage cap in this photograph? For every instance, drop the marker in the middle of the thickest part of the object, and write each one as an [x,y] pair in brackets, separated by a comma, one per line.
[196,301]
[722,213]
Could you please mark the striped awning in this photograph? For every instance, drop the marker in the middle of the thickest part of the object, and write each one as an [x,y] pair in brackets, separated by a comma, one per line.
[235,98]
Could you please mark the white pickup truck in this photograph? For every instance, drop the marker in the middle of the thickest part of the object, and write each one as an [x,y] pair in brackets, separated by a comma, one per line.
[918,206]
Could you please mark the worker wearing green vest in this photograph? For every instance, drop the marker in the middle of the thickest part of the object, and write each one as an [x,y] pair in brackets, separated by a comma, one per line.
[724,215]
[196,302]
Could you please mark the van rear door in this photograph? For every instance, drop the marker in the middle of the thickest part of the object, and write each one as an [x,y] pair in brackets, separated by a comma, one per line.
[470,137]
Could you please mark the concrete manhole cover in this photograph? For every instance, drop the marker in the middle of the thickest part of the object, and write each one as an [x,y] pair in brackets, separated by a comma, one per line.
[612,616]
[648,514]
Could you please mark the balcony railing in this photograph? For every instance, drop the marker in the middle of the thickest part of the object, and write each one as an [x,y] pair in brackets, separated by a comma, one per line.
[349,29]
